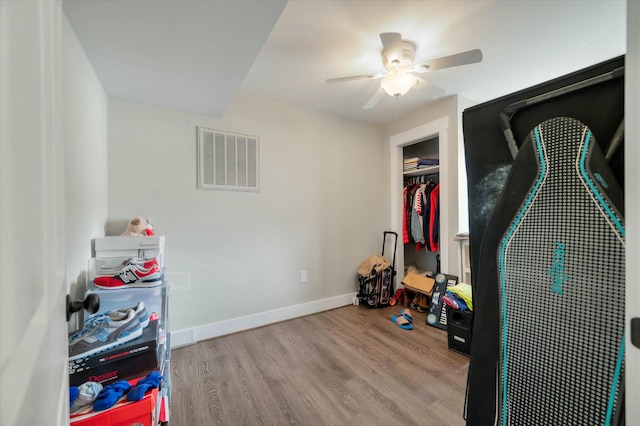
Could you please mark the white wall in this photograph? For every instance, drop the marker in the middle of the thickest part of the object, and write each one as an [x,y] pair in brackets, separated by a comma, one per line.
[84,105]
[322,206]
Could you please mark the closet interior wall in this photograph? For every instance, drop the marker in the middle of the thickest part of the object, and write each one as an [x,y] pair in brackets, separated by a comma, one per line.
[422,259]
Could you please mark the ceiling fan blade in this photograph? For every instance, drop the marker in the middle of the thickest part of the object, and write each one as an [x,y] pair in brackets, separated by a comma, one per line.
[392,44]
[464,58]
[429,89]
[356,77]
[374,99]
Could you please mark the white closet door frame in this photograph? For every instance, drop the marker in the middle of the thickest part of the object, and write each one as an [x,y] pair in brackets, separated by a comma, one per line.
[34,376]
[632,207]
[437,128]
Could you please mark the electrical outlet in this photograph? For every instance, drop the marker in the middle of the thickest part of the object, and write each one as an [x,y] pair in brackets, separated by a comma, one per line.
[303,276]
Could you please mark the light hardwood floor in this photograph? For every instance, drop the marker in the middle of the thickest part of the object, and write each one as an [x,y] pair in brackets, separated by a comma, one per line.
[347,366]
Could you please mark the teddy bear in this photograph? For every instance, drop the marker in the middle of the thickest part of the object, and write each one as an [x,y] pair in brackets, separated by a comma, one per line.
[138,226]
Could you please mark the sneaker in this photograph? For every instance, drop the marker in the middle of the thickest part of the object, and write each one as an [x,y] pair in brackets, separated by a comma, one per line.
[140,262]
[139,310]
[131,276]
[423,304]
[414,303]
[106,334]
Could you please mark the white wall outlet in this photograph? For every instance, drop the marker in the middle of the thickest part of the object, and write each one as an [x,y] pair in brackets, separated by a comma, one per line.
[303,276]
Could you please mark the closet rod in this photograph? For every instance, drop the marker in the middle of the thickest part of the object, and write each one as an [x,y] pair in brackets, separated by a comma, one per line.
[421,178]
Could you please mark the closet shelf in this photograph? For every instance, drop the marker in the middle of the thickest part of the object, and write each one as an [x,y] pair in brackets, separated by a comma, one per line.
[421,172]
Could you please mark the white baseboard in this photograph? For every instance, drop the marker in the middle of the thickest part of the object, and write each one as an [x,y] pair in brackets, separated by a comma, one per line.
[192,335]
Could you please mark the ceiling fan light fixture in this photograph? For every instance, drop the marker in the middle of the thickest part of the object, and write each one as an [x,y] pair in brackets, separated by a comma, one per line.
[398,82]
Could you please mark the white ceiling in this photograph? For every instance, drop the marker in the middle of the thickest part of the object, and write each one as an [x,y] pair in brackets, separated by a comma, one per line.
[196,55]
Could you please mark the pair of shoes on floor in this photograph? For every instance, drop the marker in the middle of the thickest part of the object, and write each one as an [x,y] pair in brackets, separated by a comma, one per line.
[105,331]
[112,393]
[135,273]
[404,320]
[420,303]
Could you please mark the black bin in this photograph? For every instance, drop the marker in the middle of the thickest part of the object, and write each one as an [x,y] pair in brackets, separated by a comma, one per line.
[459,330]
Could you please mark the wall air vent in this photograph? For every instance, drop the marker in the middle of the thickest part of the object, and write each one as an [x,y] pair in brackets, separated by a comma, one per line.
[228,161]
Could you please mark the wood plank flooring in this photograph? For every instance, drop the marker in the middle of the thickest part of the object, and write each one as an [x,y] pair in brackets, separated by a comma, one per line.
[347,366]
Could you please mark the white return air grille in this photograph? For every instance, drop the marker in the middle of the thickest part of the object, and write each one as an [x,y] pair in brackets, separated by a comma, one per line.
[228,161]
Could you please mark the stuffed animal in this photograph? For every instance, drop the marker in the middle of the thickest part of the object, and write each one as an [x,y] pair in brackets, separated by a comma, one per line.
[138,226]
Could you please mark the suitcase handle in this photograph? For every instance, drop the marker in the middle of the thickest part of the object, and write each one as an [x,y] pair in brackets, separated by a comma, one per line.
[395,248]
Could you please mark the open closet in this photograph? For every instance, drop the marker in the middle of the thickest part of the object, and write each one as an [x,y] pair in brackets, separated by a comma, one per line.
[435,139]
[421,205]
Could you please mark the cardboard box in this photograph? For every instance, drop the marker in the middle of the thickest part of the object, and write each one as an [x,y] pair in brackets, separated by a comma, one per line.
[419,283]
[143,246]
[133,359]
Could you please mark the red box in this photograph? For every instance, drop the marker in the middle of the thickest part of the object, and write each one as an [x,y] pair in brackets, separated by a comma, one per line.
[124,413]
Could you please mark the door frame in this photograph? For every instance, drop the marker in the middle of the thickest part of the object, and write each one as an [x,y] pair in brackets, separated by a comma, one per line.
[34,376]
[437,128]
[632,206]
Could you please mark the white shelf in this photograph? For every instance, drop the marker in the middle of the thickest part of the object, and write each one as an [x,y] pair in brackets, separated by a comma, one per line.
[420,172]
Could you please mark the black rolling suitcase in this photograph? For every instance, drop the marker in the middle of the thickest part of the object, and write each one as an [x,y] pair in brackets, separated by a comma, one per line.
[375,285]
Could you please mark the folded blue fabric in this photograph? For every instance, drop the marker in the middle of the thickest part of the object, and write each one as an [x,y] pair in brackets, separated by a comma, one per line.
[110,395]
[428,162]
[462,304]
[150,382]
[73,394]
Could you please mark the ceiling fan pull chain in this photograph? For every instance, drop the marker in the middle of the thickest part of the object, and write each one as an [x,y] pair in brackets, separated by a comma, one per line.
[397,107]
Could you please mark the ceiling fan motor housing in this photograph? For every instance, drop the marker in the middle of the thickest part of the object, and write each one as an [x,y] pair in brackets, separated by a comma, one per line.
[391,62]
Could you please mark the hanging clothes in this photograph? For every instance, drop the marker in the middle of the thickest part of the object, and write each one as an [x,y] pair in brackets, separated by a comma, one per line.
[416,218]
[405,233]
[421,207]
[434,219]
[426,215]
[408,207]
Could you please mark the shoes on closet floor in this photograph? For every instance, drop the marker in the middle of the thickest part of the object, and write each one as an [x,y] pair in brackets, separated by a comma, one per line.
[415,301]
[423,304]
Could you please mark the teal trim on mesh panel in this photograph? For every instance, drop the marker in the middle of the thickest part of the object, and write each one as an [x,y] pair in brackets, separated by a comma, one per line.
[597,194]
[503,247]
[620,227]
[614,384]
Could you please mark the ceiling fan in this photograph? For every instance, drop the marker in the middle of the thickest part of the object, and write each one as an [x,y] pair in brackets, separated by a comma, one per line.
[397,58]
